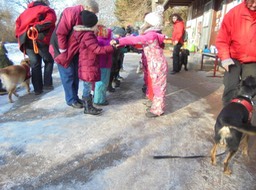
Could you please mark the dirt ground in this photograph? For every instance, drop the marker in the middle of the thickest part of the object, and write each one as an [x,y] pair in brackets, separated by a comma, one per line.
[53,146]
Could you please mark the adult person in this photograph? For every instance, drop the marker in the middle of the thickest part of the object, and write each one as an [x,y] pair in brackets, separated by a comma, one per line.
[4,62]
[66,56]
[236,42]
[34,28]
[177,40]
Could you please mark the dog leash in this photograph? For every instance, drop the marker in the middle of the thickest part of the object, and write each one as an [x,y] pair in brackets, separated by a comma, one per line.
[185,157]
[32,34]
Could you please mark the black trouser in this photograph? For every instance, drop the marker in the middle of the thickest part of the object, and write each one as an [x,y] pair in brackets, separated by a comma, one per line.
[176,57]
[232,79]
[36,66]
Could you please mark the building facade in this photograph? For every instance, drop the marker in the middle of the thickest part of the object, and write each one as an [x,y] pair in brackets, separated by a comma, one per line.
[204,21]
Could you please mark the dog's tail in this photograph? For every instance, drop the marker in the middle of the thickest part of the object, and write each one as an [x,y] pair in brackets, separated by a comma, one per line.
[246,128]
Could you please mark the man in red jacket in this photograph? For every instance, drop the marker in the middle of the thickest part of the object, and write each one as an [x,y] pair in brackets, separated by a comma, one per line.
[236,42]
[34,28]
[65,51]
[177,41]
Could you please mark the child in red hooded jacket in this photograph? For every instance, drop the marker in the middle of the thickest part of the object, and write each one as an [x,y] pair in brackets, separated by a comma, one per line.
[89,51]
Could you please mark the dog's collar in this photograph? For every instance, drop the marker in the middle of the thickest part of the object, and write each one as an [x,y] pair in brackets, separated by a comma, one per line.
[248,105]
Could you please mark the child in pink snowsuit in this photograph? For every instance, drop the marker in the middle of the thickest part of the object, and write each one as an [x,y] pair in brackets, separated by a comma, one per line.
[151,39]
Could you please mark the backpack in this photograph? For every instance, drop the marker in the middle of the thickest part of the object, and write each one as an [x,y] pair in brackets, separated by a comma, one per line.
[185,36]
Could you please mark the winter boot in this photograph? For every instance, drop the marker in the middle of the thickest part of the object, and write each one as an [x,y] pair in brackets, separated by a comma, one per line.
[89,108]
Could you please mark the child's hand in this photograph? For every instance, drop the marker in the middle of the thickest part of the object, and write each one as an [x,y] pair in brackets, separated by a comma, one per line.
[113,42]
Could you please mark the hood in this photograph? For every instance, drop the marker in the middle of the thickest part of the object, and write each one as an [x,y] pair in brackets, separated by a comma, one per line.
[82,28]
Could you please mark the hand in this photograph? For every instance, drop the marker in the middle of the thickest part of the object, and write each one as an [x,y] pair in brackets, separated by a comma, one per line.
[113,42]
[226,63]
[175,42]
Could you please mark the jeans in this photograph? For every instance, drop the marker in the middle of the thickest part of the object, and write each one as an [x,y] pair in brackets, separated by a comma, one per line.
[70,80]
[87,90]
[36,67]
[176,57]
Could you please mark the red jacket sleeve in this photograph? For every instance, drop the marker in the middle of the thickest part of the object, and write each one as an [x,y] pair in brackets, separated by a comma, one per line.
[223,39]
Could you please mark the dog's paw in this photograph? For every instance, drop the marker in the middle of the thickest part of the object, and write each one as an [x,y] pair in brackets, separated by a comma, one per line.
[227,171]
[213,162]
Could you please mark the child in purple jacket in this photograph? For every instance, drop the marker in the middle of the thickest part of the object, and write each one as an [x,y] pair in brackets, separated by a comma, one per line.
[105,60]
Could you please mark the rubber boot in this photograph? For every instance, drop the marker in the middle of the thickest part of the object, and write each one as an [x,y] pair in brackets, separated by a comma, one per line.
[89,108]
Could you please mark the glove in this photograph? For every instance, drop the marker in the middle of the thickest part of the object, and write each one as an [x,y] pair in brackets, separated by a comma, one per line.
[226,63]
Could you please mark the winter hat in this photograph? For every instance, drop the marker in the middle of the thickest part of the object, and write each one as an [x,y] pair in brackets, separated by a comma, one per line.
[116,30]
[155,18]
[89,19]
[43,1]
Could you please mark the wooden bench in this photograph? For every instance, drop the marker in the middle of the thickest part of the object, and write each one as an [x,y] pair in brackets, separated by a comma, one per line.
[216,61]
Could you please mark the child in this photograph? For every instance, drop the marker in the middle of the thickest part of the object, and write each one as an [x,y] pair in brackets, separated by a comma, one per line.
[117,59]
[104,36]
[152,40]
[89,49]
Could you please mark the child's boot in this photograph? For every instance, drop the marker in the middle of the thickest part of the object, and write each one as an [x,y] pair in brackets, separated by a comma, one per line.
[89,108]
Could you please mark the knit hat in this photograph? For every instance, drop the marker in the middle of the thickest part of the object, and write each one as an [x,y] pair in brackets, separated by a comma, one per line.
[43,1]
[155,18]
[116,30]
[89,19]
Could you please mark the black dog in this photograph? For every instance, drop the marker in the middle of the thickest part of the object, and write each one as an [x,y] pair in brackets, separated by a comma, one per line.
[233,122]
[184,53]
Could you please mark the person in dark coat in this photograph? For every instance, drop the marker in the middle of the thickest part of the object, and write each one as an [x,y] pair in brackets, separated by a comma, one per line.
[117,59]
[4,62]
[34,28]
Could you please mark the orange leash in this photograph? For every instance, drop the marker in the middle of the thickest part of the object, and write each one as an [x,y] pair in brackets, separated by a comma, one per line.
[32,34]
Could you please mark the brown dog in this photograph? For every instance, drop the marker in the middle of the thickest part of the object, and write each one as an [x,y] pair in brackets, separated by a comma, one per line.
[13,75]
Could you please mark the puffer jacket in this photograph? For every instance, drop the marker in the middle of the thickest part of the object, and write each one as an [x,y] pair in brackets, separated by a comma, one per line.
[89,49]
[178,31]
[62,36]
[38,15]
[149,37]
[237,35]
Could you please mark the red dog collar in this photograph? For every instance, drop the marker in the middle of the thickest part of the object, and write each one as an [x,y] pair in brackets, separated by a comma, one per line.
[27,68]
[246,104]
